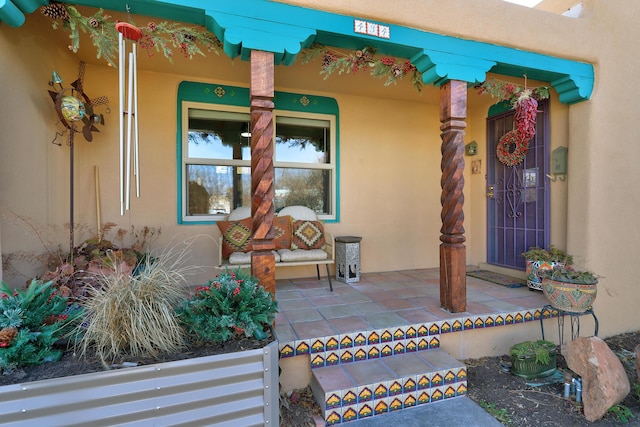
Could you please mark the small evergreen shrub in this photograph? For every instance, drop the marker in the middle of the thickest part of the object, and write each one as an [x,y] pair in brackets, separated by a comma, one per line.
[232,305]
[31,322]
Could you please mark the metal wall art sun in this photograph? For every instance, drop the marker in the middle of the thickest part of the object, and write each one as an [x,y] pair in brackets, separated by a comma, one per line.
[74,107]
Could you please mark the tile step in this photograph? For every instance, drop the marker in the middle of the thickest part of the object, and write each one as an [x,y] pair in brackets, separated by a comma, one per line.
[367,388]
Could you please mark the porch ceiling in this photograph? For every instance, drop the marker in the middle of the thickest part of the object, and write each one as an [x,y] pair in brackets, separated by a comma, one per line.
[246,25]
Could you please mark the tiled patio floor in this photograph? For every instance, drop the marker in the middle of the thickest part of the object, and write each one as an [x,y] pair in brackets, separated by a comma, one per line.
[384,300]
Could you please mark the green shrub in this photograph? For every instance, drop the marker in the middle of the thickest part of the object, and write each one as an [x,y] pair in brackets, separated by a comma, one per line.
[231,305]
[31,322]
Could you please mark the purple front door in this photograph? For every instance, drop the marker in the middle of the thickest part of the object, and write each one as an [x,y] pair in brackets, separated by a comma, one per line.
[518,196]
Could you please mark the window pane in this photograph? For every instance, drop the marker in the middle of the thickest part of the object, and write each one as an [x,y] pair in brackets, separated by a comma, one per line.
[302,140]
[306,187]
[217,189]
[218,135]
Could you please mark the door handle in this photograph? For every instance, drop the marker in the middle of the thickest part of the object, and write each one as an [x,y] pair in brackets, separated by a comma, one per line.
[490,192]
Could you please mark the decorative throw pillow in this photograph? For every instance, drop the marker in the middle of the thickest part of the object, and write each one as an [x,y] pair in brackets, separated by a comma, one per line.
[307,235]
[236,236]
[282,232]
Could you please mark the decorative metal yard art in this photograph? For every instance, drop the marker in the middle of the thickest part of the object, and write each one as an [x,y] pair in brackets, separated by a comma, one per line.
[76,112]
[128,35]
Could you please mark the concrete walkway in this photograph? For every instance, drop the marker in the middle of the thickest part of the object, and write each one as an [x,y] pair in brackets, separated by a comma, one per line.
[458,411]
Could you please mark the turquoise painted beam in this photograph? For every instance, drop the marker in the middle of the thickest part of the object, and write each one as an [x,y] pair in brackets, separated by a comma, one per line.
[246,25]
[10,14]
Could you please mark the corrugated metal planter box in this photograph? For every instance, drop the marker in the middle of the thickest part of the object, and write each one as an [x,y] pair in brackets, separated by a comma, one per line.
[235,389]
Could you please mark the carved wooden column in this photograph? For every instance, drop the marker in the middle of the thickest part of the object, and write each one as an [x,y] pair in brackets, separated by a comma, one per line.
[262,171]
[453,253]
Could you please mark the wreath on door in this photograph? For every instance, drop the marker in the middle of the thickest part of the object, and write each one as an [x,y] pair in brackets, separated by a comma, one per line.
[512,140]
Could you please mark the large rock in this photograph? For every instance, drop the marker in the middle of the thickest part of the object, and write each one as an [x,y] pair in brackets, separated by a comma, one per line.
[604,380]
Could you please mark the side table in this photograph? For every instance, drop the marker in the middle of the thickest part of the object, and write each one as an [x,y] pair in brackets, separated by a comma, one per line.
[575,322]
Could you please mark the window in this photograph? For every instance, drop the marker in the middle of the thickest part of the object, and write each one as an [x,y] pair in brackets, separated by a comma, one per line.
[215,171]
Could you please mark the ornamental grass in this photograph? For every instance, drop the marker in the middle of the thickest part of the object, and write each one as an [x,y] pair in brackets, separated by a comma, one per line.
[134,314]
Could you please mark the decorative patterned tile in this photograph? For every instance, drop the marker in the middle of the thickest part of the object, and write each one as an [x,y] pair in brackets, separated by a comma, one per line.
[380,390]
[395,388]
[409,384]
[365,394]
[381,406]
[424,382]
[333,417]
[373,338]
[373,352]
[346,340]
[489,322]
[449,377]
[423,344]
[318,361]
[461,375]
[499,320]
[468,323]
[333,400]
[360,353]
[333,358]
[398,334]
[423,396]
[478,322]
[349,397]
[398,348]
[332,343]
[386,350]
[346,356]
[360,339]
[409,399]
[349,413]
[365,410]
[445,327]
[449,391]
[437,394]
[437,379]
[435,328]
[286,350]
[434,342]
[386,336]
[461,390]
[302,347]
[456,325]
[395,403]
[411,332]
[317,345]
[411,346]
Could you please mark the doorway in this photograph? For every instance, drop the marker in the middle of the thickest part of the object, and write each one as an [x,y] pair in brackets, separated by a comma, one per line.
[518,196]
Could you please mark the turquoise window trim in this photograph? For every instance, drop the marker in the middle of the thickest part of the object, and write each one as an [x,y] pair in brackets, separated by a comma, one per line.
[216,94]
[499,108]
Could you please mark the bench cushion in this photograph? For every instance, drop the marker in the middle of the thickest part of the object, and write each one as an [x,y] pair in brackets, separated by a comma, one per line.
[307,235]
[238,258]
[300,255]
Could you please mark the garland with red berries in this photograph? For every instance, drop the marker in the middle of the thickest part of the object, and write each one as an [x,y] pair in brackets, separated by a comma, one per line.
[525,103]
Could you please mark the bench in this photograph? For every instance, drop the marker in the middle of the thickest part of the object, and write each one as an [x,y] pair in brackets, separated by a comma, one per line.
[299,236]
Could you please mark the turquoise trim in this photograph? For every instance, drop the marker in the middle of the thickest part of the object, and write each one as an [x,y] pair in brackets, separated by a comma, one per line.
[238,96]
[284,29]
[12,11]
[499,108]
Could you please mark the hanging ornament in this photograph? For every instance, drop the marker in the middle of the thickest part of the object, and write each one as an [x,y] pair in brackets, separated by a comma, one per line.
[128,36]
[75,109]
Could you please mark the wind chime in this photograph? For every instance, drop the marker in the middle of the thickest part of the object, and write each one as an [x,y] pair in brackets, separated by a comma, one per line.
[129,142]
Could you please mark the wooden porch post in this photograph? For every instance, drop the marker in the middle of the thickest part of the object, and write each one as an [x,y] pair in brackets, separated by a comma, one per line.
[262,171]
[453,253]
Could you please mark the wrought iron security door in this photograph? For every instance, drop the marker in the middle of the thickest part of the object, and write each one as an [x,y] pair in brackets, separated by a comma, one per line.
[517,197]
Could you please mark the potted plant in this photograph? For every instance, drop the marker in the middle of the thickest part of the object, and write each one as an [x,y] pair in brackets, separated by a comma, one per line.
[570,290]
[539,259]
[533,359]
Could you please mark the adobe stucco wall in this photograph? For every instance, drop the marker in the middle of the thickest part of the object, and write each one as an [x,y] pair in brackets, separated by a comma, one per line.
[390,144]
